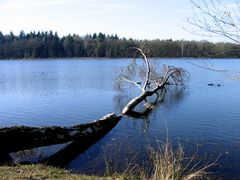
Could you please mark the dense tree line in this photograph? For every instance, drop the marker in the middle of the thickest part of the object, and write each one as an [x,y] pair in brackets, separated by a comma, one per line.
[50,45]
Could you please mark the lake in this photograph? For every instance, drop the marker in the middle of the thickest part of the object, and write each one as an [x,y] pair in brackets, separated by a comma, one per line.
[67,92]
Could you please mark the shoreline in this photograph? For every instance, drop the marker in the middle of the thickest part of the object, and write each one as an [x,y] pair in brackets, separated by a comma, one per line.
[117,58]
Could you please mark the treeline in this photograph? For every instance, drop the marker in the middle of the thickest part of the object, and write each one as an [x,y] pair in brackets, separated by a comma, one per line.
[50,45]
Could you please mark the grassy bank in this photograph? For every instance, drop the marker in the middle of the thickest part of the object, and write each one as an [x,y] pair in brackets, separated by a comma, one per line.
[166,164]
[40,172]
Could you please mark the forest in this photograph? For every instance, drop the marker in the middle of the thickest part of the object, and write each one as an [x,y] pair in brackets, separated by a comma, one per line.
[49,44]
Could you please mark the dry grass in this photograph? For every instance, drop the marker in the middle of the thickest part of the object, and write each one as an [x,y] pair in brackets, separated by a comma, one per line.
[168,165]
[172,165]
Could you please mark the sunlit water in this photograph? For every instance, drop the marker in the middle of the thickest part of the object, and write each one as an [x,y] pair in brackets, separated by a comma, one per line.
[202,118]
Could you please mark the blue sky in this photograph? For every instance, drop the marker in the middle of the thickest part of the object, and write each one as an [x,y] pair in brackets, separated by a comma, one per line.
[138,19]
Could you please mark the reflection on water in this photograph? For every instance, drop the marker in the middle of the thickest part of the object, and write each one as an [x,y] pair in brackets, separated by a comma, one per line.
[37,154]
[69,92]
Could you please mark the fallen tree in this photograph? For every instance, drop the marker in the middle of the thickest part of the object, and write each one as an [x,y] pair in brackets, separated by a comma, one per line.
[148,79]
[140,73]
[13,139]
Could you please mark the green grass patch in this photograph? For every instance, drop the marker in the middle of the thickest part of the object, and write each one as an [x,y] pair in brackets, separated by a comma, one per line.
[41,172]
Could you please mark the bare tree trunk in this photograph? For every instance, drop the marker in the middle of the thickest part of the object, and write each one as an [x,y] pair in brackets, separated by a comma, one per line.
[135,101]
[19,138]
[148,107]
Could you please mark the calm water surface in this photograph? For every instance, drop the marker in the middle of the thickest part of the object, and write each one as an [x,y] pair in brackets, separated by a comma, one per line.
[67,92]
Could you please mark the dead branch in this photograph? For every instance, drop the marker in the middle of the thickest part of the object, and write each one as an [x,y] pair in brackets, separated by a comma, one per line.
[145,76]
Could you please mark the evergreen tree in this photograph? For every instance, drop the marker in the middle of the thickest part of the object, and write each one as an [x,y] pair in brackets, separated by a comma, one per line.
[50,45]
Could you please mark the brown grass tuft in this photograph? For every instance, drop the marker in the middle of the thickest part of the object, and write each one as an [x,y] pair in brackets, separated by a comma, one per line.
[168,164]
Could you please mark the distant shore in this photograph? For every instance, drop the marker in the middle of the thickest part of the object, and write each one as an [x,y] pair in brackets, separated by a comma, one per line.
[44,45]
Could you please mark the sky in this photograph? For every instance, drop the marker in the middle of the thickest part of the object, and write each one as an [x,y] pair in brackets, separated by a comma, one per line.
[137,19]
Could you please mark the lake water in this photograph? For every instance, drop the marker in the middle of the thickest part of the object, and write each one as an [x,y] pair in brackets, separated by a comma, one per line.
[67,92]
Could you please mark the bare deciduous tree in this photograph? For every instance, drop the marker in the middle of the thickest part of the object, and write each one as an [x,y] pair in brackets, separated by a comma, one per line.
[145,76]
[216,17]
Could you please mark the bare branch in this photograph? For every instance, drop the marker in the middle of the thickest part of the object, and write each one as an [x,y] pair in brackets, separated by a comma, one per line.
[133,82]
[214,17]
[217,18]
[153,79]
[205,66]
[147,66]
